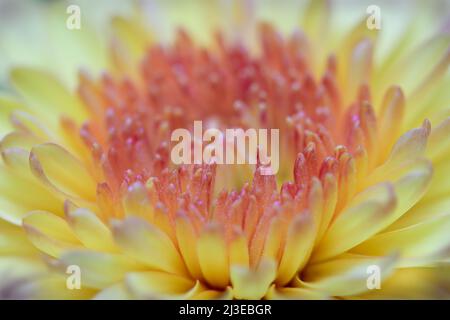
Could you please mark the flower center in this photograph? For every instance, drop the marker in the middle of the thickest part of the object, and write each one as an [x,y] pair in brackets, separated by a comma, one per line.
[227,87]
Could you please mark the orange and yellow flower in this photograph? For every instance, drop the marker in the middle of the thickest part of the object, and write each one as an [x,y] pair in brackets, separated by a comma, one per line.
[86,177]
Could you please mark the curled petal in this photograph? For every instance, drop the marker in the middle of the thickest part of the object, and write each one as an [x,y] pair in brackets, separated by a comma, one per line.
[13,204]
[60,170]
[25,122]
[409,147]
[90,230]
[49,233]
[410,188]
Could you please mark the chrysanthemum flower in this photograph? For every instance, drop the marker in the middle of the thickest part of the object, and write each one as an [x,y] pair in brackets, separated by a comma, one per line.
[87,180]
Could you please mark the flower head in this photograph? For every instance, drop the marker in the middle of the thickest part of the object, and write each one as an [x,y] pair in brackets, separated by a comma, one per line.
[87,177]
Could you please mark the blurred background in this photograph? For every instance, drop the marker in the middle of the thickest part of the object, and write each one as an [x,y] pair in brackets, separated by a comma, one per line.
[33,32]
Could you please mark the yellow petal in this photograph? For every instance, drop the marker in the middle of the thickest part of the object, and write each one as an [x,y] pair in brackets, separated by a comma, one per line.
[289,293]
[316,205]
[19,140]
[90,230]
[409,147]
[413,186]
[356,49]
[412,68]
[148,245]
[360,65]
[299,243]
[25,122]
[439,142]
[226,294]
[13,240]
[430,83]
[410,188]
[115,292]
[17,159]
[363,217]
[132,38]
[213,256]
[100,270]
[329,205]
[391,113]
[440,184]
[239,250]
[19,267]
[54,287]
[85,45]
[187,241]
[7,106]
[345,275]
[423,211]
[160,285]
[273,245]
[316,17]
[136,202]
[49,233]
[15,273]
[48,97]
[252,284]
[15,177]
[416,243]
[414,283]
[60,170]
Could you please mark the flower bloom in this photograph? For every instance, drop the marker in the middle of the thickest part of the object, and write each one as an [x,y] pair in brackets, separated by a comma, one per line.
[87,179]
